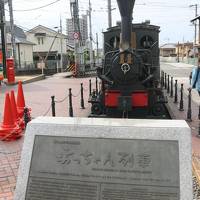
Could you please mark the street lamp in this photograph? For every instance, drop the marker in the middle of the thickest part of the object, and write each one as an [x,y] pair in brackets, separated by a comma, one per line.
[61,47]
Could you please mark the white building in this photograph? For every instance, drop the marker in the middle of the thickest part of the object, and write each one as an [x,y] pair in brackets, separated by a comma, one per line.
[24,48]
[50,44]
[83,30]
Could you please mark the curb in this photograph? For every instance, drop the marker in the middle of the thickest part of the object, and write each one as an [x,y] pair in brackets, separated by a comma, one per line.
[37,78]
[34,79]
[195,167]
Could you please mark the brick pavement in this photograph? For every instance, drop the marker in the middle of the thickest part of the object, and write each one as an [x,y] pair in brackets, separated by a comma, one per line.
[9,163]
[194,124]
[10,152]
[37,96]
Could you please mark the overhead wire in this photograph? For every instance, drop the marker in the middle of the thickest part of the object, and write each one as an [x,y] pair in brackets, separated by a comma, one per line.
[37,8]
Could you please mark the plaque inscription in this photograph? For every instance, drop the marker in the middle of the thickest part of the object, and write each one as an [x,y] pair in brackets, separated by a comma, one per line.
[103,169]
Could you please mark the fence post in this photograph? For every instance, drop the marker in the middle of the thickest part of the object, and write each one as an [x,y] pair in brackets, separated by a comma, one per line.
[172,85]
[53,106]
[189,111]
[181,100]
[168,84]
[70,103]
[82,98]
[176,92]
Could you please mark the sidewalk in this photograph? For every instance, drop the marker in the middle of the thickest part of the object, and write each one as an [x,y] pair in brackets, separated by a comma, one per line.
[25,79]
[180,65]
[194,124]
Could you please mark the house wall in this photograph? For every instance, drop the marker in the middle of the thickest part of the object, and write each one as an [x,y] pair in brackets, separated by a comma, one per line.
[26,53]
[25,57]
[47,41]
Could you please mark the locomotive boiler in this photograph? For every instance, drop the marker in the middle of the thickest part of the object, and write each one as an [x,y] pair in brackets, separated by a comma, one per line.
[130,74]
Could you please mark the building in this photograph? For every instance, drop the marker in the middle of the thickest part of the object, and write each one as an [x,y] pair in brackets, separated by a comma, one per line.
[50,45]
[24,48]
[184,50]
[83,30]
[168,50]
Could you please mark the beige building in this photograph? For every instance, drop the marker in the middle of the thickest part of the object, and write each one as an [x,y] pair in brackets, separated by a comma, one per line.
[50,44]
[184,49]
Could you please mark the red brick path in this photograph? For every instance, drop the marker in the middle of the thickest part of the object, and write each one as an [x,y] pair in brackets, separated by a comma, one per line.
[38,97]
[9,162]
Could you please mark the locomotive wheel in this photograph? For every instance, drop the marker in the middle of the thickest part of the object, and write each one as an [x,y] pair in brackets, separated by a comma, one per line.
[96,109]
[158,110]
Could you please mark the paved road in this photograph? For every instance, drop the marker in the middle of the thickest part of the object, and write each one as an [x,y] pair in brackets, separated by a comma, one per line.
[177,69]
[181,72]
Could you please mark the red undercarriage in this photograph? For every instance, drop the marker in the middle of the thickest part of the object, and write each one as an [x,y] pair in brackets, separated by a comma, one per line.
[139,98]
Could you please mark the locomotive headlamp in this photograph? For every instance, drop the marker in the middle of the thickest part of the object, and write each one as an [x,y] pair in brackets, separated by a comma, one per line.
[125,68]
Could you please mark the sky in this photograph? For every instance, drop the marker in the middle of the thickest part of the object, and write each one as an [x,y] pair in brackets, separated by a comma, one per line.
[173,16]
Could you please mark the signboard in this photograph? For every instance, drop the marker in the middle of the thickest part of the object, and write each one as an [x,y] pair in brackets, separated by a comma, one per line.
[76,35]
[100,169]
[41,65]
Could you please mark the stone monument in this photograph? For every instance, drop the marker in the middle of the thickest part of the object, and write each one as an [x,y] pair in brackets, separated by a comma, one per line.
[101,159]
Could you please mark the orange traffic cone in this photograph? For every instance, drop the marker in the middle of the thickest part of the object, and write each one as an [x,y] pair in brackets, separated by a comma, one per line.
[20,100]
[16,117]
[9,130]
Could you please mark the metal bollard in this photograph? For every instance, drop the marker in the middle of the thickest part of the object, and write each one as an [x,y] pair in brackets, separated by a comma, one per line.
[190,78]
[70,103]
[189,111]
[53,107]
[90,87]
[199,129]
[82,98]
[176,92]
[162,79]
[26,116]
[96,85]
[172,87]
[167,83]
[181,99]
[199,113]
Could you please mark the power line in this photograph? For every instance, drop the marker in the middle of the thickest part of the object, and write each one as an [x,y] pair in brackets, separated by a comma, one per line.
[44,6]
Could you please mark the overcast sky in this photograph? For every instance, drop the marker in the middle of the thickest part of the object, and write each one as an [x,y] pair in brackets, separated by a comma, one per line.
[173,16]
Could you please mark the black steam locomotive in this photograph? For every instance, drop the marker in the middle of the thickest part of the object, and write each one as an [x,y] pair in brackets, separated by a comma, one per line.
[130,75]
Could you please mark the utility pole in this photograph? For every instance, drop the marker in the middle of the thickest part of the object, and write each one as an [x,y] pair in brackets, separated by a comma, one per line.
[61,46]
[195,23]
[109,14]
[3,35]
[90,24]
[12,31]
[97,40]
[75,19]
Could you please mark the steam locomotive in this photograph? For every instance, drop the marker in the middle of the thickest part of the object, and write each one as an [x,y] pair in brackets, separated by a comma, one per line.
[130,75]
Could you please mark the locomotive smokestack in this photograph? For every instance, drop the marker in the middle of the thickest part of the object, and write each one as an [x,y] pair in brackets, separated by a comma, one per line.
[126,11]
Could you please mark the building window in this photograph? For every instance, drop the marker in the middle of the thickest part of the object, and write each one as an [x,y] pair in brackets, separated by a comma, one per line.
[40,40]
